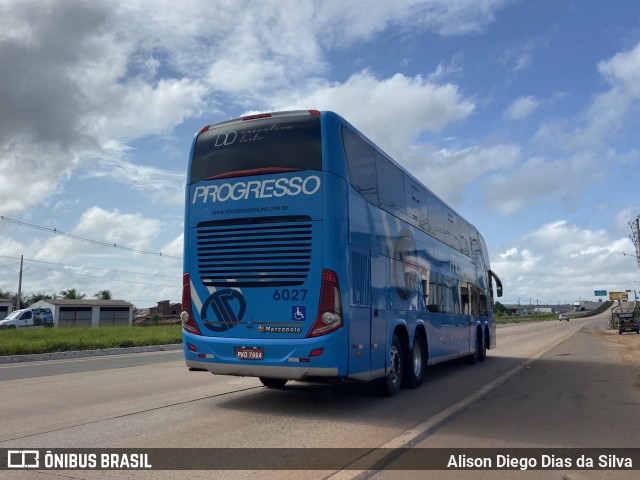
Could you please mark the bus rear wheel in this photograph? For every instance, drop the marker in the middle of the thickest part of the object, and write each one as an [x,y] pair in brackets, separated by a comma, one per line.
[482,354]
[273,382]
[475,356]
[390,385]
[416,363]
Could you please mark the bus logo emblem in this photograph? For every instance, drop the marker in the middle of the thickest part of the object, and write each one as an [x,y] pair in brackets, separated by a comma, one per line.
[228,307]
[226,138]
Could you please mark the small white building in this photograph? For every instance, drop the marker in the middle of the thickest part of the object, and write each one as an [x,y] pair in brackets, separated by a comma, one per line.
[6,307]
[88,313]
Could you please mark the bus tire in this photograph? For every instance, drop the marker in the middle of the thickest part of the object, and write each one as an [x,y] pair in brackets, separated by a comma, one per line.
[273,382]
[482,354]
[416,362]
[475,356]
[390,385]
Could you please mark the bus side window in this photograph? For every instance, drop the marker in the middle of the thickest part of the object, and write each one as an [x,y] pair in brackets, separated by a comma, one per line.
[436,296]
[416,205]
[436,218]
[391,187]
[475,300]
[465,298]
[484,304]
[361,163]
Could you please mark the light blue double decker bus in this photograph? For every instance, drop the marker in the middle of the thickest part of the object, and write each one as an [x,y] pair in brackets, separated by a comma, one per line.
[310,254]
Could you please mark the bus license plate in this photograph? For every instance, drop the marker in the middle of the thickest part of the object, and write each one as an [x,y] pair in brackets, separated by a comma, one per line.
[250,353]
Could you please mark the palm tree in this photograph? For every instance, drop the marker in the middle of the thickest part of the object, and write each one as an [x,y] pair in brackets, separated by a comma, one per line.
[36,297]
[72,294]
[103,295]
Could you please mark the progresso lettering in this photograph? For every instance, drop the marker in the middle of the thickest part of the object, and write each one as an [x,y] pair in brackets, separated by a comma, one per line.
[257,189]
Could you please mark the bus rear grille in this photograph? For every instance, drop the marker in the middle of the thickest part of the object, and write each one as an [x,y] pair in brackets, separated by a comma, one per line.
[267,252]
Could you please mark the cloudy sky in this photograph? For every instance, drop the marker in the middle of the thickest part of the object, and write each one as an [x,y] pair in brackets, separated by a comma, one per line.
[522,115]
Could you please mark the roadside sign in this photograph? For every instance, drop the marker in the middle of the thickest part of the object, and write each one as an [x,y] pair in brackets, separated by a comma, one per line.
[600,293]
[618,296]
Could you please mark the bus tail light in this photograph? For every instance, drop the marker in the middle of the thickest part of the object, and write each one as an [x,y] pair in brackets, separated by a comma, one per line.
[186,316]
[329,316]
[256,117]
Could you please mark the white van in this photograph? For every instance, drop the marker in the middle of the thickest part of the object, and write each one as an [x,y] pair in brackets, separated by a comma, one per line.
[28,317]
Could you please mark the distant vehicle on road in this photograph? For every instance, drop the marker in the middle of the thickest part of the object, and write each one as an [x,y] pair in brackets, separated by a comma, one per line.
[28,317]
[563,316]
[626,323]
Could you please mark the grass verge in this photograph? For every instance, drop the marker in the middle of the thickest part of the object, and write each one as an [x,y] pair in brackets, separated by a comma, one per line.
[50,340]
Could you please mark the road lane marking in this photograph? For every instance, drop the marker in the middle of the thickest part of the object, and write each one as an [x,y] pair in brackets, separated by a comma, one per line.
[410,438]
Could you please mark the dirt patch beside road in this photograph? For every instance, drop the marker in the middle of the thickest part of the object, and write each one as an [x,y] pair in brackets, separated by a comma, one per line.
[626,346]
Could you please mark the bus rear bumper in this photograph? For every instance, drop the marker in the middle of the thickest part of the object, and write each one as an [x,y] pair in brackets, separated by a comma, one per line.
[271,371]
[291,359]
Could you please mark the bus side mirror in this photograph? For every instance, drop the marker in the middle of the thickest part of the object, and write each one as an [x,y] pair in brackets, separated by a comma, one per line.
[498,282]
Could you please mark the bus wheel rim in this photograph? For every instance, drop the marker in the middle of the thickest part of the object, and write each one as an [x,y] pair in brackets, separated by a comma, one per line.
[417,361]
[395,365]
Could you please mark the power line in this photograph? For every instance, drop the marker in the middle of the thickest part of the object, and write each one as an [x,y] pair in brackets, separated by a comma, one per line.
[175,285]
[66,265]
[93,241]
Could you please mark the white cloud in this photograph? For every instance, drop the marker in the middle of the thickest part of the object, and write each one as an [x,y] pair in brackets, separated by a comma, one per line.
[538,181]
[99,73]
[562,262]
[134,109]
[413,104]
[624,217]
[88,78]
[69,94]
[344,22]
[131,230]
[623,71]
[453,68]
[448,172]
[162,186]
[519,57]
[175,247]
[521,108]
[599,123]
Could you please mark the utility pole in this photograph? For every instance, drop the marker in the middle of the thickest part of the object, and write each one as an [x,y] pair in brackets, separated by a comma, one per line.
[19,284]
[635,236]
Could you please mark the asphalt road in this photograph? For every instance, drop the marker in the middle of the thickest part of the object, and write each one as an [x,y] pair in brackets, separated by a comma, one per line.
[551,384]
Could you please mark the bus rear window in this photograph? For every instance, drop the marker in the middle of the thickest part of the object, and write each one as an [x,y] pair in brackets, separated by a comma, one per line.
[270,144]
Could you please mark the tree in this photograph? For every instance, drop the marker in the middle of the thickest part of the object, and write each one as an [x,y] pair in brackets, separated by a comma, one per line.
[5,294]
[13,296]
[23,299]
[36,297]
[500,308]
[103,295]
[72,294]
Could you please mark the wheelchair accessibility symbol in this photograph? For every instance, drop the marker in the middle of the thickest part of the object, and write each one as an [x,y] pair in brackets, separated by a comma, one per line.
[298,314]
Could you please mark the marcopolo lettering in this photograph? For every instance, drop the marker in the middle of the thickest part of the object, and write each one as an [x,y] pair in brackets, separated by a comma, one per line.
[257,189]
